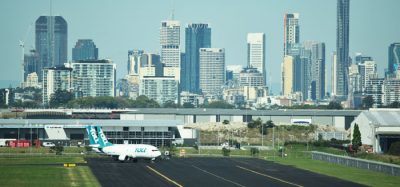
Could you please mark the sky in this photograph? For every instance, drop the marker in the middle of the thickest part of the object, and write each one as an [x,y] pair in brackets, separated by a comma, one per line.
[117,26]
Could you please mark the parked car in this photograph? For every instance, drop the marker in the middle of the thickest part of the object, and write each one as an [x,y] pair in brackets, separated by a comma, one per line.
[48,144]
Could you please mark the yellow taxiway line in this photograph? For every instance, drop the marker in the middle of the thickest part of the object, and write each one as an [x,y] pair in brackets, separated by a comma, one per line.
[165,177]
[271,177]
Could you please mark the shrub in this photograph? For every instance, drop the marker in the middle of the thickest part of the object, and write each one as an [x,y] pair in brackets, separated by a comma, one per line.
[226,152]
[254,151]
[395,148]
[58,149]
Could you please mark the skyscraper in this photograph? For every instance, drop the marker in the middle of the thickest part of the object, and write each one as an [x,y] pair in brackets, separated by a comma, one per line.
[170,48]
[197,36]
[85,49]
[134,58]
[342,48]
[287,75]
[256,53]
[394,57]
[212,70]
[51,42]
[317,71]
[291,31]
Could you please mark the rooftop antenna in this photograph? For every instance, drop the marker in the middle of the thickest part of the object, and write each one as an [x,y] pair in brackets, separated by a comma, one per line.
[173,10]
[51,8]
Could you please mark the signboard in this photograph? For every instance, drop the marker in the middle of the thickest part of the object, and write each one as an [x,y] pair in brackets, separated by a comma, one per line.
[301,121]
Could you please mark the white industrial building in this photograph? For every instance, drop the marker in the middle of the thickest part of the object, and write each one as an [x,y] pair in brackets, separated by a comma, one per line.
[379,128]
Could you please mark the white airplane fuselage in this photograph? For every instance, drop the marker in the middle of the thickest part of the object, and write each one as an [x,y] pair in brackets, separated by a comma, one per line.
[124,151]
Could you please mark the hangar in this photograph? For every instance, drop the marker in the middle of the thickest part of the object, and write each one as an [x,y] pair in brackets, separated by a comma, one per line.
[379,128]
[72,131]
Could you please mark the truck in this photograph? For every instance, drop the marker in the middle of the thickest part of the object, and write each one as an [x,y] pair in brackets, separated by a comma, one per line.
[3,142]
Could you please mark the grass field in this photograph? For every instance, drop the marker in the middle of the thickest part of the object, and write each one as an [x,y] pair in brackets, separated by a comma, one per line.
[45,171]
[360,176]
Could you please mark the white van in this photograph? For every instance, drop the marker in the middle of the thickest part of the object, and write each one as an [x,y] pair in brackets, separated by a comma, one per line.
[48,144]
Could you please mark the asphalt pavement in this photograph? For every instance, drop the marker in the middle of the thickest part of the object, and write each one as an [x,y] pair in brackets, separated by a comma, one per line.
[206,172]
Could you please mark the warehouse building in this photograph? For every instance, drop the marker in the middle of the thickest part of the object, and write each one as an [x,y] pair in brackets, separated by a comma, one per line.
[379,128]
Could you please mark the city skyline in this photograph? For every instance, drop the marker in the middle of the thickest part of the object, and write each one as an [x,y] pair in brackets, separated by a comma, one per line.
[234,41]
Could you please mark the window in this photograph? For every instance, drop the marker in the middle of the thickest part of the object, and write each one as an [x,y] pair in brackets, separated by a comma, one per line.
[125,128]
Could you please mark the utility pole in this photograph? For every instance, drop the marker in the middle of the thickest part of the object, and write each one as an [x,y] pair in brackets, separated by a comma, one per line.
[262,135]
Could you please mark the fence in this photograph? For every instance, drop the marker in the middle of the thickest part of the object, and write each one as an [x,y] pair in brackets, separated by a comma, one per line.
[358,163]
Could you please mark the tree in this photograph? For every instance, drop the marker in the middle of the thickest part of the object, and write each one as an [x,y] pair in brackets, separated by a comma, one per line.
[188,105]
[60,98]
[356,141]
[225,122]
[367,102]
[334,105]
[270,124]
[254,124]
[220,104]
[144,102]
[394,148]
[170,104]
[395,104]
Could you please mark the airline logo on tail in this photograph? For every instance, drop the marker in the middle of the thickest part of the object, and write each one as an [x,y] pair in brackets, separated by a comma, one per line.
[103,139]
[92,135]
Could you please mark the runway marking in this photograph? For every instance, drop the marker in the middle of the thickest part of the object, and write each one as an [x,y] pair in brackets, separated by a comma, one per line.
[165,177]
[235,183]
[269,176]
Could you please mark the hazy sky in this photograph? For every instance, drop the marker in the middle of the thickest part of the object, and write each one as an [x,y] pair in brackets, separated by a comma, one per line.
[117,26]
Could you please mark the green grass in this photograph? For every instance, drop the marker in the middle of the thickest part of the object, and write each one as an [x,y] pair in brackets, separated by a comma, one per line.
[356,175]
[39,150]
[25,172]
[41,160]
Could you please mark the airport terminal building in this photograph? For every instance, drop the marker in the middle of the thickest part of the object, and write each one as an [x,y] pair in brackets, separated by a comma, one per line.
[156,126]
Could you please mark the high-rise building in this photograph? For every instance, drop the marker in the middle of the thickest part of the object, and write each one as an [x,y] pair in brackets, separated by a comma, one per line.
[55,78]
[94,77]
[394,58]
[287,75]
[360,59]
[161,89]
[51,42]
[197,36]
[333,74]
[342,48]
[374,88]
[134,58]
[391,90]
[150,65]
[31,63]
[366,69]
[170,48]
[317,71]
[251,77]
[85,49]
[291,31]
[212,70]
[256,53]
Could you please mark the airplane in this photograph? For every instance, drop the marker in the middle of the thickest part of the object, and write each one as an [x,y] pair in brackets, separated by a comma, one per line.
[122,152]
[93,139]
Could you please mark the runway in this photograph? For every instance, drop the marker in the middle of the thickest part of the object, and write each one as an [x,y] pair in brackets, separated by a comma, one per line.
[207,172]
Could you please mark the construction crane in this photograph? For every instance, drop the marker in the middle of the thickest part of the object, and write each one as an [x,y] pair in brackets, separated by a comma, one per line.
[22,45]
